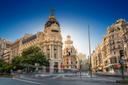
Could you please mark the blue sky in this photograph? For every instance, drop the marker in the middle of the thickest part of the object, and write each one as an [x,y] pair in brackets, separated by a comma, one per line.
[18,17]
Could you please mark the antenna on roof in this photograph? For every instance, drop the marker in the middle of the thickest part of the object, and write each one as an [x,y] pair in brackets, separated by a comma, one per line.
[52,12]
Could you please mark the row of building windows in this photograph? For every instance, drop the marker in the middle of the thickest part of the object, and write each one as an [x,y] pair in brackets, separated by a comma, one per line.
[55,56]
[72,62]
[55,48]
[71,66]
[29,39]
[114,30]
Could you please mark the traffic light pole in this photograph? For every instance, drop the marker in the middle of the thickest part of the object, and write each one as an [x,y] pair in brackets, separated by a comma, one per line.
[122,71]
[121,61]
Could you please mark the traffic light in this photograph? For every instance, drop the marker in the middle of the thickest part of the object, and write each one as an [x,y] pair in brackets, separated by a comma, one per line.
[121,53]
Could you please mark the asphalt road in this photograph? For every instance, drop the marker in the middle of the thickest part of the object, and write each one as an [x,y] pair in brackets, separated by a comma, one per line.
[57,80]
[10,81]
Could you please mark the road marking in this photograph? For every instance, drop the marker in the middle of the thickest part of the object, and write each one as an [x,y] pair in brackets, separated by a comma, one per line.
[27,81]
[31,79]
[58,76]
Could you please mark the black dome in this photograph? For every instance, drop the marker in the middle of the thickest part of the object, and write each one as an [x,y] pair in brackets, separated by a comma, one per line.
[51,21]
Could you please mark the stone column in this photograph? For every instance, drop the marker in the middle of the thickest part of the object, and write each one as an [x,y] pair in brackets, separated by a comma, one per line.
[68,61]
[53,52]
[51,66]
[58,55]
[44,48]
[59,58]
[59,66]
[51,59]
[50,51]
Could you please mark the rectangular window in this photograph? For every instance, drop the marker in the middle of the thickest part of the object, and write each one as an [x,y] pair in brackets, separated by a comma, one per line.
[48,56]
[76,62]
[55,31]
[113,60]
[55,56]
[55,48]
[114,53]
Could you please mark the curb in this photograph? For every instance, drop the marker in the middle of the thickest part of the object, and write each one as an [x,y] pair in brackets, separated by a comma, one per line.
[122,81]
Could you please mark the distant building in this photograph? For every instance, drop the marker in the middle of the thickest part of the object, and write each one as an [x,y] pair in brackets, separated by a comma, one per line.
[70,58]
[106,56]
[7,55]
[83,62]
[15,48]
[5,49]
[82,57]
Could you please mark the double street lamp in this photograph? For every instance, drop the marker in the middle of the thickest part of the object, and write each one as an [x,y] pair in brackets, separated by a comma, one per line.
[90,66]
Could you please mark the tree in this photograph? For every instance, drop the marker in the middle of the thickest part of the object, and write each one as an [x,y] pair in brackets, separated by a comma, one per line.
[5,67]
[2,65]
[30,56]
[16,62]
[34,55]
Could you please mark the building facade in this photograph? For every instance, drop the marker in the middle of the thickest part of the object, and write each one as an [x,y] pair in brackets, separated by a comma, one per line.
[49,40]
[107,55]
[124,36]
[7,55]
[51,43]
[5,49]
[2,47]
[83,62]
[70,58]
[97,60]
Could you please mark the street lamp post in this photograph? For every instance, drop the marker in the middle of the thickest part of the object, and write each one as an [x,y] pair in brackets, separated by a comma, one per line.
[79,66]
[90,67]
[80,62]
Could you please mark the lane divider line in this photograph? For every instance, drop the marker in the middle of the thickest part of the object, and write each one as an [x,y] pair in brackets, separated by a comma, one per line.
[28,81]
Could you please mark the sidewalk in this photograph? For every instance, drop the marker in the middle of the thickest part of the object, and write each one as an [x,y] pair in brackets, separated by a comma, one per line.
[109,74]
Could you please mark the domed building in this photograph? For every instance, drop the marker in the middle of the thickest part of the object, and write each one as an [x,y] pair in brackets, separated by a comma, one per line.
[49,40]
[51,43]
[70,59]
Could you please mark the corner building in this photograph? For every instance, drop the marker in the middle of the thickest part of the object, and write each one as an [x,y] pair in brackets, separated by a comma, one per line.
[50,42]
[107,55]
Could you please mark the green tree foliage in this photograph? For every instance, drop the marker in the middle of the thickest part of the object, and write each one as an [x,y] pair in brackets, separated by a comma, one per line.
[30,56]
[34,55]
[5,67]
[16,62]
[1,65]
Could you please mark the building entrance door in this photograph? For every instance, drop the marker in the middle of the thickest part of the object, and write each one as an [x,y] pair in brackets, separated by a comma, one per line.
[56,67]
